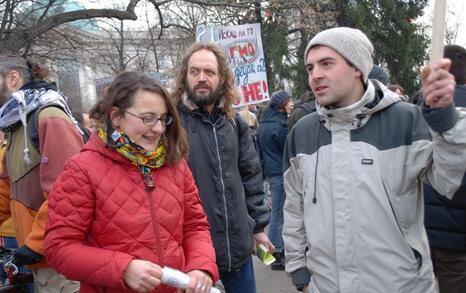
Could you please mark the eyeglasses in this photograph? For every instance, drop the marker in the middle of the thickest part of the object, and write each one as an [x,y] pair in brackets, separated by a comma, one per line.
[150,119]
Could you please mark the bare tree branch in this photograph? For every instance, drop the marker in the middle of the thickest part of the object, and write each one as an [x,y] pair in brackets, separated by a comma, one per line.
[17,40]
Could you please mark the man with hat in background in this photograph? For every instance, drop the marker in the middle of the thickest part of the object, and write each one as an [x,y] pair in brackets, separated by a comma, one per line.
[445,219]
[353,215]
[272,134]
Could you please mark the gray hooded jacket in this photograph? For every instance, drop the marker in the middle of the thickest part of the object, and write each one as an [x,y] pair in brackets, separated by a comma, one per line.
[353,177]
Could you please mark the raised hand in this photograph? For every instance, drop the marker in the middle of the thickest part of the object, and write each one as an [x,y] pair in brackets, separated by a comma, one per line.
[438,85]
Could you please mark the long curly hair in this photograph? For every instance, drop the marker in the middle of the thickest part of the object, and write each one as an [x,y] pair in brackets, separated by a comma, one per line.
[228,90]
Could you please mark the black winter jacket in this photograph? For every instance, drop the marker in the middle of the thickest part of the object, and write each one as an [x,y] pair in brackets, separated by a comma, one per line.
[228,174]
[445,219]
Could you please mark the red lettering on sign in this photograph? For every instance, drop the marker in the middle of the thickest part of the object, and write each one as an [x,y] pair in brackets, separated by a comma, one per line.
[253,92]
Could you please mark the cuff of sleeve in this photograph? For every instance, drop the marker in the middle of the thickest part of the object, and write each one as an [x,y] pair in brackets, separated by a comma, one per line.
[258,230]
[208,268]
[440,119]
[300,278]
[122,263]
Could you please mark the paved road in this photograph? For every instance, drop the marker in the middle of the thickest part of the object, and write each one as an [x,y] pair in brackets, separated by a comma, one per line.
[269,281]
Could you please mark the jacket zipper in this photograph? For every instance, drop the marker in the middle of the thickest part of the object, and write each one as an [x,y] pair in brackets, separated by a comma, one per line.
[224,198]
[154,226]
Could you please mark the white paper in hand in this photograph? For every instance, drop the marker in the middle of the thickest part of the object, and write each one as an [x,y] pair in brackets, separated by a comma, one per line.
[177,279]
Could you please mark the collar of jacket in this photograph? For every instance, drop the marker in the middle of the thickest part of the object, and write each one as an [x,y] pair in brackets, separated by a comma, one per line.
[35,84]
[202,114]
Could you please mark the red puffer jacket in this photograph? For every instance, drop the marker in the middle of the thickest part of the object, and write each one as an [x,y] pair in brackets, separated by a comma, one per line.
[101,216]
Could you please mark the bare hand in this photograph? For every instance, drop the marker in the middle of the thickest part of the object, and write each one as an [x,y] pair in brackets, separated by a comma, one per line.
[200,282]
[262,238]
[141,275]
[305,289]
[438,85]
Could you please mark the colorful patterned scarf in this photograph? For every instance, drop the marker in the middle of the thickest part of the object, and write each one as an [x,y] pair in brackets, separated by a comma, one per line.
[140,157]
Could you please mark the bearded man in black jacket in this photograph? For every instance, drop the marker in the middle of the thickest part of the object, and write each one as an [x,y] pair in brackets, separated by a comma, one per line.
[224,163]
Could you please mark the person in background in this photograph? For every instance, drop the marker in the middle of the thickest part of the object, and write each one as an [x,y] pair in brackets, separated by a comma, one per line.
[224,163]
[378,73]
[354,208]
[399,90]
[89,123]
[126,206]
[31,172]
[273,130]
[445,219]
[304,106]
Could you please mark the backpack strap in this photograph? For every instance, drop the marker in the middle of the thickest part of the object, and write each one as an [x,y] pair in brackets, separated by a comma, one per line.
[33,126]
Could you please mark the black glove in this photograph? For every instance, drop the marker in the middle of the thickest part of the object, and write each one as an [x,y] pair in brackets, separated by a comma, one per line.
[25,256]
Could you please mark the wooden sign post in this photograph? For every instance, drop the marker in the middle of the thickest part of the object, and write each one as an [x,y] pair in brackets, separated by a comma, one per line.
[438,30]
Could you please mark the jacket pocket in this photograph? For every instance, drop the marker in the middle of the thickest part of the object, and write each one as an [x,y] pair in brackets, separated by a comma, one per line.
[251,223]
[397,206]
[311,287]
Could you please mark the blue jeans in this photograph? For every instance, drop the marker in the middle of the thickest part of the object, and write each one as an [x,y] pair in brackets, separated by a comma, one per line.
[241,280]
[276,219]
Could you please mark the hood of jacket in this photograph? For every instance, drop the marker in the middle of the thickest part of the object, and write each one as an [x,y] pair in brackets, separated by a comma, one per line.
[376,98]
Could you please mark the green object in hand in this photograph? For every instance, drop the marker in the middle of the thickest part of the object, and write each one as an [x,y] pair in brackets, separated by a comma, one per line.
[264,254]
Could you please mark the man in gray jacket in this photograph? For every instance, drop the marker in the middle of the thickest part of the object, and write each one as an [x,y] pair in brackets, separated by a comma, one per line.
[354,170]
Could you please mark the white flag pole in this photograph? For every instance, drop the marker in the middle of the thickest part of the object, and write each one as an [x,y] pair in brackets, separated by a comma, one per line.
[438,30]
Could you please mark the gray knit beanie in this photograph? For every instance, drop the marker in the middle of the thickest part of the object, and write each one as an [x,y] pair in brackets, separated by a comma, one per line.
[351,43]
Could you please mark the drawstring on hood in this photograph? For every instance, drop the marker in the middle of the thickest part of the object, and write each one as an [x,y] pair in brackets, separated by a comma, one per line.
[322,121]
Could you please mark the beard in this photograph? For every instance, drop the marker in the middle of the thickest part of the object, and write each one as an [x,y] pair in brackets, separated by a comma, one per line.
[203,100]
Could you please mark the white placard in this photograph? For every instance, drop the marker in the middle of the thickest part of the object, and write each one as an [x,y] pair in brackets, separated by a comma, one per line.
[243,47]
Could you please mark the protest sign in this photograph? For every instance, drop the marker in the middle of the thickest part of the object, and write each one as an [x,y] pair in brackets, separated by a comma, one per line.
[243,47]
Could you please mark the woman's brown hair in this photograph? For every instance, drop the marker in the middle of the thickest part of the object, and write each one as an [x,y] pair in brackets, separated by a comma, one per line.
[121,94]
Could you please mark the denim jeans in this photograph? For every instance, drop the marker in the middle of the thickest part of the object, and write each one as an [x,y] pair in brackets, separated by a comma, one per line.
[276,220]
[241,280]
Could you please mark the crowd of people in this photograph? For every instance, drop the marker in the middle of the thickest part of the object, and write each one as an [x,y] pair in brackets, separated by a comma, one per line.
[177,179]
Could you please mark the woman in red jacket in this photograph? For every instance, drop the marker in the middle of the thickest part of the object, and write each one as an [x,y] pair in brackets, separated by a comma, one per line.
[127,205]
